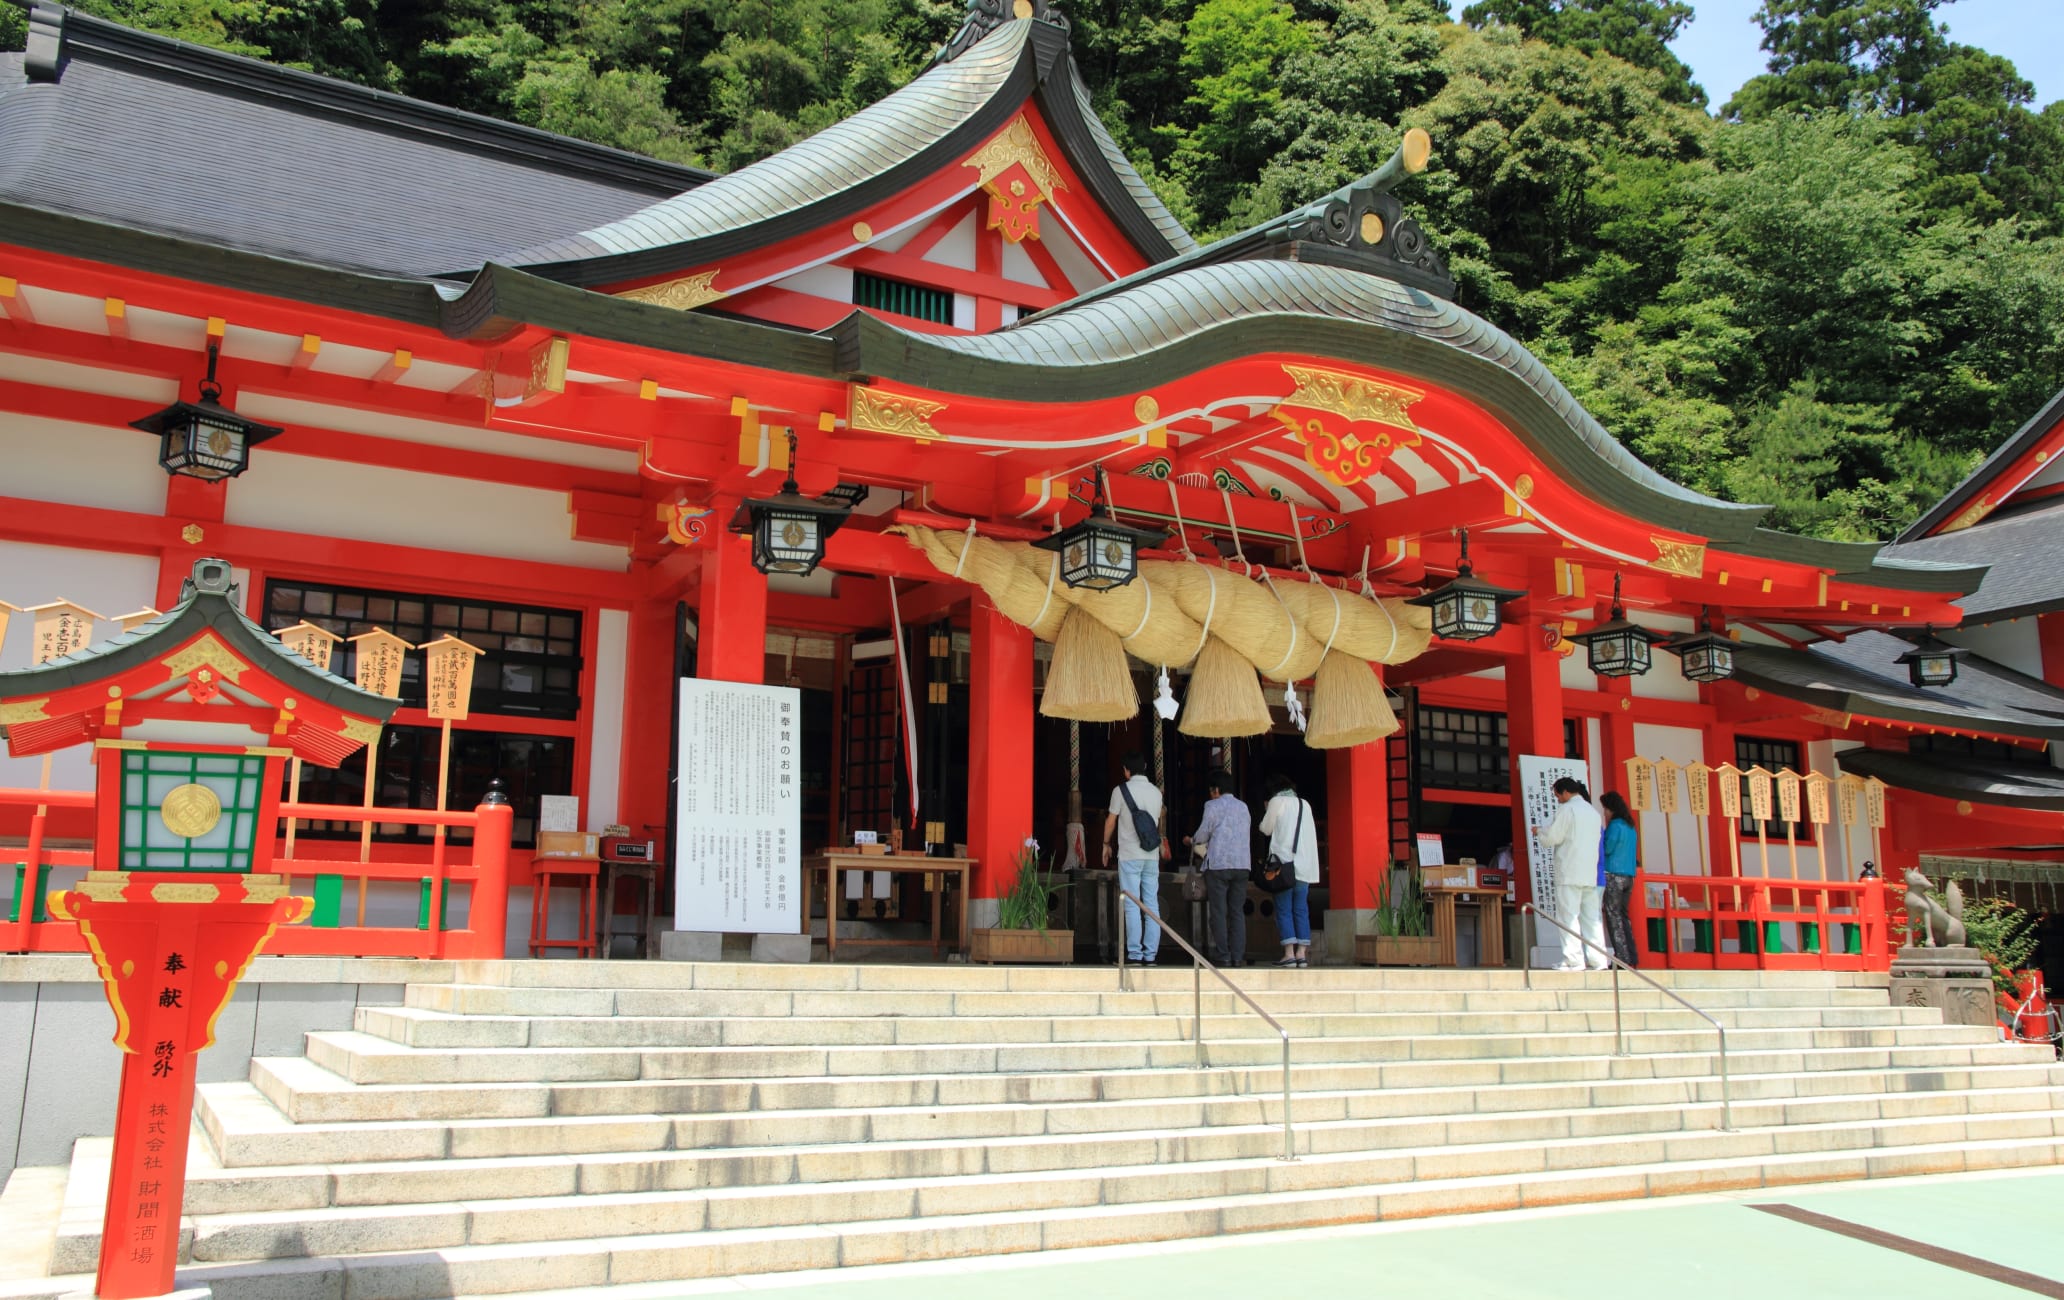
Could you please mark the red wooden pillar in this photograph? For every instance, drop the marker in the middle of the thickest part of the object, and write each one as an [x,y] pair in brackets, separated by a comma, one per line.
[1719,748]
[649,689]
[731,642]
[1616,735]
[999,749]
[1357,850]
[1533,709]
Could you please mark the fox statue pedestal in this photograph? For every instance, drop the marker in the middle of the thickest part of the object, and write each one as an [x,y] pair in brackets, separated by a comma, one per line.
[1957,980]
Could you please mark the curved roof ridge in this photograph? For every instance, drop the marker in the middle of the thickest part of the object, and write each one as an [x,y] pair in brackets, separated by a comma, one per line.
[1151,313]
[889,132]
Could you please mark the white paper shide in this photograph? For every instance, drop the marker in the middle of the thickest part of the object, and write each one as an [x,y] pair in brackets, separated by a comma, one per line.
[738,809]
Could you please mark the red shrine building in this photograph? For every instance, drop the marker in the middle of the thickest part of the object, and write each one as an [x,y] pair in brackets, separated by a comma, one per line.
[513,388]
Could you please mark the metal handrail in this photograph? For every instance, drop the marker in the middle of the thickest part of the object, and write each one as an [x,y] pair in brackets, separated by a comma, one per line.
[1529,911]
[1202,964]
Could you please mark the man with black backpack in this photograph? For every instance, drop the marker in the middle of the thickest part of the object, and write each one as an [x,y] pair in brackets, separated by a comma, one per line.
[1132,832]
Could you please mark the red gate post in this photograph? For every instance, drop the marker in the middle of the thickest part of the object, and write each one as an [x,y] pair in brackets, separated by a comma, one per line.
[170,948]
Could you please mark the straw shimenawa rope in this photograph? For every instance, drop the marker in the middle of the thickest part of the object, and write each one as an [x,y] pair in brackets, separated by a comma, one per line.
[1244,614]
[1088,679]
[1026,597]
[1348,705]
[1149,623]
[1385,631]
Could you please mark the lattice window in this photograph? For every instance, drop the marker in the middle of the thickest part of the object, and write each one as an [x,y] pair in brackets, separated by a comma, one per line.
[1468,749]
[233,783]
[1774,755]
[920,301]
[531,665]
[528,677]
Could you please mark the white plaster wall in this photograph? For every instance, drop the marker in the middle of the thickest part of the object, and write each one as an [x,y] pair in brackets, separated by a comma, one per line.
[957,249]
[963,311]
[2013,642]
[80,465]
[373,503]
[1670,841]
[1574,670]
[1594,755]
[1665,678]
[1018,265]
[105,582]
[606,708]
[291,411]
[832,282]
[1082,271]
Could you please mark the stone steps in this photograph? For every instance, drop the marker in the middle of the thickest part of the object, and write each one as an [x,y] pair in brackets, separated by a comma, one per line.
[478,1138]
[366,1058]
[448,1031]
[531,1002]
[798,1148]
[248,1131]
[1275,1195]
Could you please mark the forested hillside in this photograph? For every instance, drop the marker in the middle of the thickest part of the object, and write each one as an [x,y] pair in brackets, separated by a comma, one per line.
[1833,292]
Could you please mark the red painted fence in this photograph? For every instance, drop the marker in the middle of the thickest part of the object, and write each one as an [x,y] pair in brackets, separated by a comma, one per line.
[1754,923]
[483,871]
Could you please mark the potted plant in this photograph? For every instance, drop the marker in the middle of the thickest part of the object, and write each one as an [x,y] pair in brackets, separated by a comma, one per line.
[1021,933]
[1401,922]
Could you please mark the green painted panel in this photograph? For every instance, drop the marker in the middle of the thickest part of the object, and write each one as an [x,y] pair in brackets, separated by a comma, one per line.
[329,902]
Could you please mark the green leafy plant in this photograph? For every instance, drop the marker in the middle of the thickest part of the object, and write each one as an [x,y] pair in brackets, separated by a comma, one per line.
[1401,910]
[2005,933]
[1029,901]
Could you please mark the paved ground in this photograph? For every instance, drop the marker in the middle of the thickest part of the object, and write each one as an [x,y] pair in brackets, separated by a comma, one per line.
[1702,1248]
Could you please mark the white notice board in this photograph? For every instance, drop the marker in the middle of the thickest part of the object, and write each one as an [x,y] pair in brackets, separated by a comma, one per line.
[1537,778]
[738,859]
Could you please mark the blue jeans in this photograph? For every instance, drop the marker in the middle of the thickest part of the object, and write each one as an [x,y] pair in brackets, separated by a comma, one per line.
[1140,877]
[1293,914]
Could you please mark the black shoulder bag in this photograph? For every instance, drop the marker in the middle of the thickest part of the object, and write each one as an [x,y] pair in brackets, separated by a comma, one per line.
[1146,828]
[1274,874]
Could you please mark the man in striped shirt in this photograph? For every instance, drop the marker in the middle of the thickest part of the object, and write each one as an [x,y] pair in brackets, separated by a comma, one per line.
[1226,835]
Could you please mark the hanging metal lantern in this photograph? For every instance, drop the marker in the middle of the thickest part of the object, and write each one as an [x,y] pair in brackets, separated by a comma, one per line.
[1618,647]
[1932,661]
[788,529]
[1466,608]
[1099,552]
[1703,655]
[205,439]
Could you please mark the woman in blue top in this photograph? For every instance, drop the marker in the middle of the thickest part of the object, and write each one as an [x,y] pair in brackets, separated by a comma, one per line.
[1618,851]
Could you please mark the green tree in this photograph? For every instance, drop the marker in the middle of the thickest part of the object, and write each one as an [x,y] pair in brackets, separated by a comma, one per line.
[1843,54]
[1639,31]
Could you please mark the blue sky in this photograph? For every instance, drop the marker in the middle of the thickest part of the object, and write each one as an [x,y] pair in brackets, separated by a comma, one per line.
[1720,44]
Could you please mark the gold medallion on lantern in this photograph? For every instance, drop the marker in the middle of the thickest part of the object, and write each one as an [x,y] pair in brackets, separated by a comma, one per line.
[792,534]
[190,811]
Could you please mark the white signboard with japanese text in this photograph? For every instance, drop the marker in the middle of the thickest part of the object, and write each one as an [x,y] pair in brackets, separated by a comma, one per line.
[1535,790]
[738,861]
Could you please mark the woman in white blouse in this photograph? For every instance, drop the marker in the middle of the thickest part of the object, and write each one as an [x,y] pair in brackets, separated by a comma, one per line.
[1294,838]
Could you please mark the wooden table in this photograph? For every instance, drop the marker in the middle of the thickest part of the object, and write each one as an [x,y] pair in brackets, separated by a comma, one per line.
[1490,928]
[830,864]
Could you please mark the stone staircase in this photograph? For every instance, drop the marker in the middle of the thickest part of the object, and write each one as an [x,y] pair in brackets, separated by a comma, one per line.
[555,1124]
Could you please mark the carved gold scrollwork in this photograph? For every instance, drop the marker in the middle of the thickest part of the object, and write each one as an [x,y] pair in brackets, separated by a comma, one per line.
[684,294]
[894,413]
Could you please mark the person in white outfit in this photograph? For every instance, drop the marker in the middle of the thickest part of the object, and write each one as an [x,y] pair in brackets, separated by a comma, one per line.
[1576,834]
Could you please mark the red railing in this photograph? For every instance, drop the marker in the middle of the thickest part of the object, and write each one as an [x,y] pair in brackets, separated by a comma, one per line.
[1768,924]
[484,871]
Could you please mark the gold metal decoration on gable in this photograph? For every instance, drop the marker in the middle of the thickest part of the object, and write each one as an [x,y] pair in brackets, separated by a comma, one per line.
[190,811]
[1352,397]
[1686,559]
[684,294]
[1327,404]
[1145,409]
[192,534]
[547,368]
[1017,176]
[893,413]
[205,653]
[1372,228]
